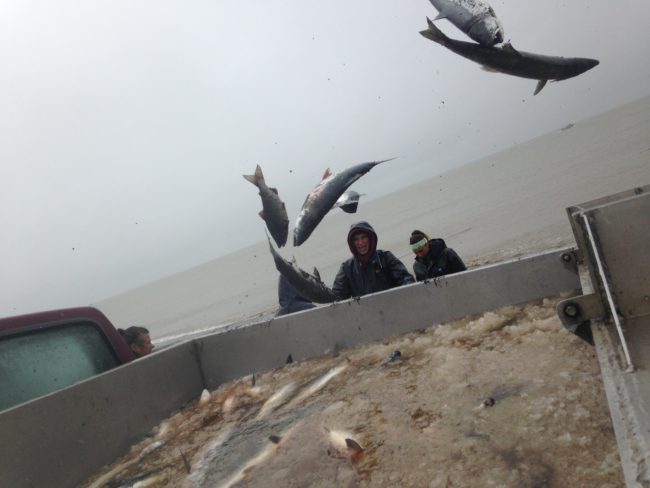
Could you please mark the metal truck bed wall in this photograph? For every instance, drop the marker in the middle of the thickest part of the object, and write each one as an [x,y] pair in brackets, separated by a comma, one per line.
[64,438]
[613,234]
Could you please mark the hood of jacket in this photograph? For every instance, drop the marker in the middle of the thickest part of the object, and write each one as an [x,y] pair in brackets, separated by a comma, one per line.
[367,229]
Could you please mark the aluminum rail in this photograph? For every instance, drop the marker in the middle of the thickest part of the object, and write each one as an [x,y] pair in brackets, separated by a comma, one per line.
[614,266]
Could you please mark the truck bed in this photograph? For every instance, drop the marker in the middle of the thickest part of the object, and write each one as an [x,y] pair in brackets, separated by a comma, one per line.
[506,398]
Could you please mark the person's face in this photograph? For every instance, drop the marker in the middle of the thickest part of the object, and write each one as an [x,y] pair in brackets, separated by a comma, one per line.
[423,251]
[143,347]
[361,243]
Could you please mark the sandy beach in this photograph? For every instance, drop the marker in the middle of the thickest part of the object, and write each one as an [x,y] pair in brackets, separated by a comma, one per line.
[504,205]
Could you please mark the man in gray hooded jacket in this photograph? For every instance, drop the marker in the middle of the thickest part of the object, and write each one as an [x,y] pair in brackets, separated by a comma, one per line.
[369,270]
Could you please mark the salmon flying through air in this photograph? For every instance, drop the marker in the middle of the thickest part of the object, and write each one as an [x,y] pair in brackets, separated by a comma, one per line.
[474,17]
[309,286]
[274,212]
[506,59]
[322,198]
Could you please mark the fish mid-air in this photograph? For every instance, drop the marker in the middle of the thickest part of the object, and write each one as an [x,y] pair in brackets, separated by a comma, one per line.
[474,17]
[506,59]
[273,211]
[348,202]
[324,196]
[309,286]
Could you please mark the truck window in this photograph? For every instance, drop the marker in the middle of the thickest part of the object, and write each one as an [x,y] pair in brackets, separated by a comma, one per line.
[45,360]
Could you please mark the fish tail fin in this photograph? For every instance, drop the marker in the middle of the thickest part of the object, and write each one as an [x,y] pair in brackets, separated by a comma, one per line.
[540,85]
[385,160]
[255,178]
[350,207]
[433,33]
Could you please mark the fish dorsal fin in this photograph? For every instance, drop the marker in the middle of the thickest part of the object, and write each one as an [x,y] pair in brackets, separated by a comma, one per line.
[488,69]
[274,190]
[317,274]
[327,174]
[507,47]
[261,214]
[540,85]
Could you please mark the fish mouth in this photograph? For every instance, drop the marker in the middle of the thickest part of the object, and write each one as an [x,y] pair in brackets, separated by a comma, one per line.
[584,64]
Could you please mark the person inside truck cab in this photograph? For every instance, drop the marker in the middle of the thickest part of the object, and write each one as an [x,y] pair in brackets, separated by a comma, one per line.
[369,270]
[432,257]
[138,340]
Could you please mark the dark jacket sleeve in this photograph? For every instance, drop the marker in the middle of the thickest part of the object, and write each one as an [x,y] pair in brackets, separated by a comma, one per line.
[396,269]
[341,286]
[455,264]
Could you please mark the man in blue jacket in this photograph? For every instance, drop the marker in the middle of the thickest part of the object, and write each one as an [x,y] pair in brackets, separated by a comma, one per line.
[369,270]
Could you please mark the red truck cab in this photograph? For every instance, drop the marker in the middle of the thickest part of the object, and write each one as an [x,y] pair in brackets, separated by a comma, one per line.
[46,351]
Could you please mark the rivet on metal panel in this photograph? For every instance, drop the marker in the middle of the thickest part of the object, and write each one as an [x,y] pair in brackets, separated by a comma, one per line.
[576,314]
[572,310]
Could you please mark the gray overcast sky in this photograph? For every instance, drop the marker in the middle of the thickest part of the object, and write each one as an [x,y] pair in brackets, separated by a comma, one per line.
[125,125]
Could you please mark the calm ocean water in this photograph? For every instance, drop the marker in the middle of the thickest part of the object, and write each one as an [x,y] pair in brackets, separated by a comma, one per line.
[505,205]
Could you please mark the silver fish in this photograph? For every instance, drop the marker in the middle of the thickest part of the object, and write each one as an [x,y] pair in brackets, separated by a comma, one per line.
[274,213]
[474,17]
[349,201]
[309,286]
[324,196]
[506,59]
